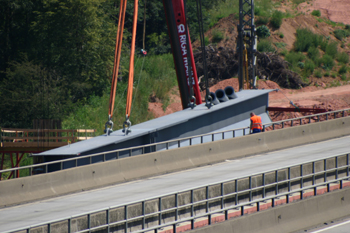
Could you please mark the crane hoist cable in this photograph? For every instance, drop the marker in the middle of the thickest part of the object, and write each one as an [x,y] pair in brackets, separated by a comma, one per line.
[117,53]
[127,123]
[208,98]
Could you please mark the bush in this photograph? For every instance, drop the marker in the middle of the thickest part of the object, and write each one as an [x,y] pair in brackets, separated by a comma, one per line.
[261,20]
[347,27]
[263,31]
[332,49]
[301,65]
[305,39]
[326,74]
[342,69]
[293,58]
[343,57]
[324,44]
[281,35]
[217,36]
[276,19]
[316,13]
[340,34]
[284,52]
[344,77]
[265,46]
[309,67]
[280,45]
[313,53]
[318,74]
[328,62]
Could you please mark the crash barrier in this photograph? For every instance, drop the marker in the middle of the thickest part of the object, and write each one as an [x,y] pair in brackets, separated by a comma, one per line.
[214,202]
[178,143]
[115,171]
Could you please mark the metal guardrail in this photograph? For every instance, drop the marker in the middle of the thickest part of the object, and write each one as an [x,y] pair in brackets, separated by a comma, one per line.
[330,173]
[131,151]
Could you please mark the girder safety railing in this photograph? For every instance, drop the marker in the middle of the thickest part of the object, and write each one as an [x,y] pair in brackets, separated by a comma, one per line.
[229,198]
[176,143]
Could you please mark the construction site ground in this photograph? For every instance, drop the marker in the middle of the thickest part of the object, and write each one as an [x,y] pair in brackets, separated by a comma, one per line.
[327,92]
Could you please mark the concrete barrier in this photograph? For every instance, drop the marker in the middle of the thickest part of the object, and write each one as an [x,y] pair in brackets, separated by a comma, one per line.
[292,217]
[42,186]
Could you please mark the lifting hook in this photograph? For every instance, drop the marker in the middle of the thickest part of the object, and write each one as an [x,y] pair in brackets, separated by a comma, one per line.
[208,101]
[126,125]
[109,126]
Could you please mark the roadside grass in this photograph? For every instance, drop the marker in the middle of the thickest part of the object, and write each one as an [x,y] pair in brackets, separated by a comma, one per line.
[156,78]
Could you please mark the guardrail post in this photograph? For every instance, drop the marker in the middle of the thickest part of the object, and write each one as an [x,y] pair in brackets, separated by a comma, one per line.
[301,121]
[176,205]
[143,213]
[263,184]
[212,137]
[117,155]
[190,141]
[192,210]
[167,145]
[107,220]
[291,123]
[233,133]
[126,218]
[130,152]
[69,225]
[289,184]
[49,228]
[282,124]
[160,211]
[236,190]
[243,132]
[276,180]
[250,189]
[325,173]
[201,139]
[347,163]
[89,221]
[222,196]
[336,166]
[207,197]
[314,178]
[301,182]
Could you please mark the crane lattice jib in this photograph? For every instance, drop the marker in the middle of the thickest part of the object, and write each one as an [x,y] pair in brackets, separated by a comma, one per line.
[246,36]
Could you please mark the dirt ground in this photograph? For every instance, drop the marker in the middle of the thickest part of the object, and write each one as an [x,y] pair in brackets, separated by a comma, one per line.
[332,98]
[322,92]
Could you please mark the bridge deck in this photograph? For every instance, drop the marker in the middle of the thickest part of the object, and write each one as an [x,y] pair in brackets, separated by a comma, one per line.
[33,213]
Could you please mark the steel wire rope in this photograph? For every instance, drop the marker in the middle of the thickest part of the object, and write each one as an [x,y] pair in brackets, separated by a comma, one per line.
[138,82]
[290,101]
[204,56]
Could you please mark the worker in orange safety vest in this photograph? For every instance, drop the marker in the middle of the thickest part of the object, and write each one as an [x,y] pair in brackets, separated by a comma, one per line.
[255,123]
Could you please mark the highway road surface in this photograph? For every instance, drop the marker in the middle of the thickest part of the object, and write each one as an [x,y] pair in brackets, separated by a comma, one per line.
[342,227]
[48,210]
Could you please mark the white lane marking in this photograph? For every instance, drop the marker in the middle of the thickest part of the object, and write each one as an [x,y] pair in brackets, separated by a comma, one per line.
[333,226]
